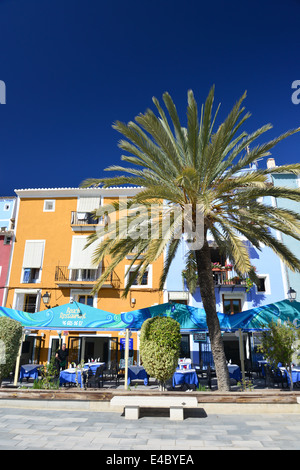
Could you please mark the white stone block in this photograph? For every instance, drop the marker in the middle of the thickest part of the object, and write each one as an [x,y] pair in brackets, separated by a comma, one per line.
[176,413]
[132,412]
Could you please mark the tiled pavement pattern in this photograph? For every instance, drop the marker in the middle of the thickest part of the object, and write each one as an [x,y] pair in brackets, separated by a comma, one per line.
[48,429]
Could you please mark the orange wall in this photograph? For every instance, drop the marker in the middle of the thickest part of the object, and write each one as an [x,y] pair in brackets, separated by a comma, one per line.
[55,229]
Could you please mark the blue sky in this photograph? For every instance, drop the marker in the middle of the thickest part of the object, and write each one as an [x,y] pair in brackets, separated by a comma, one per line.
[73,67]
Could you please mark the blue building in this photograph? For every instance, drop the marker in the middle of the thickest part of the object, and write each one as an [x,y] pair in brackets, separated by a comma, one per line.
[289,180]
[232,294]
[7,224]
[7,212]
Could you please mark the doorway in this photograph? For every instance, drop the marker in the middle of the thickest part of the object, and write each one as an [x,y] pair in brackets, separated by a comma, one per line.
[95,347]
[185,350]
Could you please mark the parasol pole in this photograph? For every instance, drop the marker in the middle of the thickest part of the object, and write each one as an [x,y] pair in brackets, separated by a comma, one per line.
[19,358]
[242,354]
[126,357]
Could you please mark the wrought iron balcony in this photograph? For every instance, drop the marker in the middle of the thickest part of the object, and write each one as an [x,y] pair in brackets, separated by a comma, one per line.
[84,219]
[74,277]
[222,280]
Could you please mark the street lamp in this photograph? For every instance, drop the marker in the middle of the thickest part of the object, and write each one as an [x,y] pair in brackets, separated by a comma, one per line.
[46,298]
[292,294]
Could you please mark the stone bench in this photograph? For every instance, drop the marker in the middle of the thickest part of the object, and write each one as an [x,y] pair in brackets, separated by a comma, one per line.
[132,404]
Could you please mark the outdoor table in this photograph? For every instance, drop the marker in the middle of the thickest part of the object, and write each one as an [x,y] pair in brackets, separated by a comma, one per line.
[185,376]
[234,372]
[29,371]
[69,376]
[137,372]
[295,374]
[93,366]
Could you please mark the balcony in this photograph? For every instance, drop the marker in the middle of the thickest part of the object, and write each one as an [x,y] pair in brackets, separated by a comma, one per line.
[66,277]
[221,279]
[84,221]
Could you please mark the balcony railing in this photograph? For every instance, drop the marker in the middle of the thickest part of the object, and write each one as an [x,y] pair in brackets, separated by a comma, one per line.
[75,276]
[84,218]
[221,279]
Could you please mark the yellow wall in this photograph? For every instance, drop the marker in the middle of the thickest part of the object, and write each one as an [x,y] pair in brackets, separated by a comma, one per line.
[55,228]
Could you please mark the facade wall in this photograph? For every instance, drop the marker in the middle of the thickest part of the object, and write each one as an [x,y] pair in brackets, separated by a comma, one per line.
[55,230]
[277,280]
[291,279]
[7,214]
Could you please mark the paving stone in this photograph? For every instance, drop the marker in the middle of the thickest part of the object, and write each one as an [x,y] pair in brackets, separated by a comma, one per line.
[20,429]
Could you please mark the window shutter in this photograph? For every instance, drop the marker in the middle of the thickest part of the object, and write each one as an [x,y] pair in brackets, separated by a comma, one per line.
[82,258]
[33,255]
[88,204]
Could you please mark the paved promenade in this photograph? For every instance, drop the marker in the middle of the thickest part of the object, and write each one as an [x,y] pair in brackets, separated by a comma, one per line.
[49,430]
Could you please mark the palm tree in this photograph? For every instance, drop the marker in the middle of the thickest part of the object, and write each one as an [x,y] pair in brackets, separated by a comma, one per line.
[203,168]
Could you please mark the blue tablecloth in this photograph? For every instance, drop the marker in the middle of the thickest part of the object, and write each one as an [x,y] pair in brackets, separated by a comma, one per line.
[184,376]
[137,372]
[29,371]
[295,374]
[69,376]
[93,366]
[234,372]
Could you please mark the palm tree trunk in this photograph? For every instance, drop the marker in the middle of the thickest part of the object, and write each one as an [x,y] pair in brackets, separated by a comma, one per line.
[207,291]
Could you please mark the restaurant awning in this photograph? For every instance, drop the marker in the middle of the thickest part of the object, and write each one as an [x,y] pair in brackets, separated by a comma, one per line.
[76,316]
[71,316]
[258,318]
[189,318]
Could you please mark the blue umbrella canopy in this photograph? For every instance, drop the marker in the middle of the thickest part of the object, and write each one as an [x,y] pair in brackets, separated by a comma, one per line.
[189,318]
[71,316]
[257,319]
[77,316]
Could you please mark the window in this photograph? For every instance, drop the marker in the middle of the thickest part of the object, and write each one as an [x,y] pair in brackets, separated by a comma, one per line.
[146,280]
[83,297]
[30,303]
[31,275]
[7,240]
[217,257]
[27,300]
[49,205]
[6,207]
[231,306]
[86,299]
[261,287]
[185,346]
[32,261]
[83,275]
[264,286]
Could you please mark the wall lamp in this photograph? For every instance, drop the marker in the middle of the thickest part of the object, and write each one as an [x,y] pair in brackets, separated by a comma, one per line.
[292,294]
[46,298]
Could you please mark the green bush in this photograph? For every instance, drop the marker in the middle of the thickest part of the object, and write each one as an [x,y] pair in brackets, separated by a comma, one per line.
[10,336]
[159,347]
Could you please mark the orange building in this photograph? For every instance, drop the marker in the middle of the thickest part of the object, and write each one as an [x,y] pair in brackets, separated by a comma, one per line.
[52,226]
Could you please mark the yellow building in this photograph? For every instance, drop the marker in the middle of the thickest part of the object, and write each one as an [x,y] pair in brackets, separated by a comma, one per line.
[52,226]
